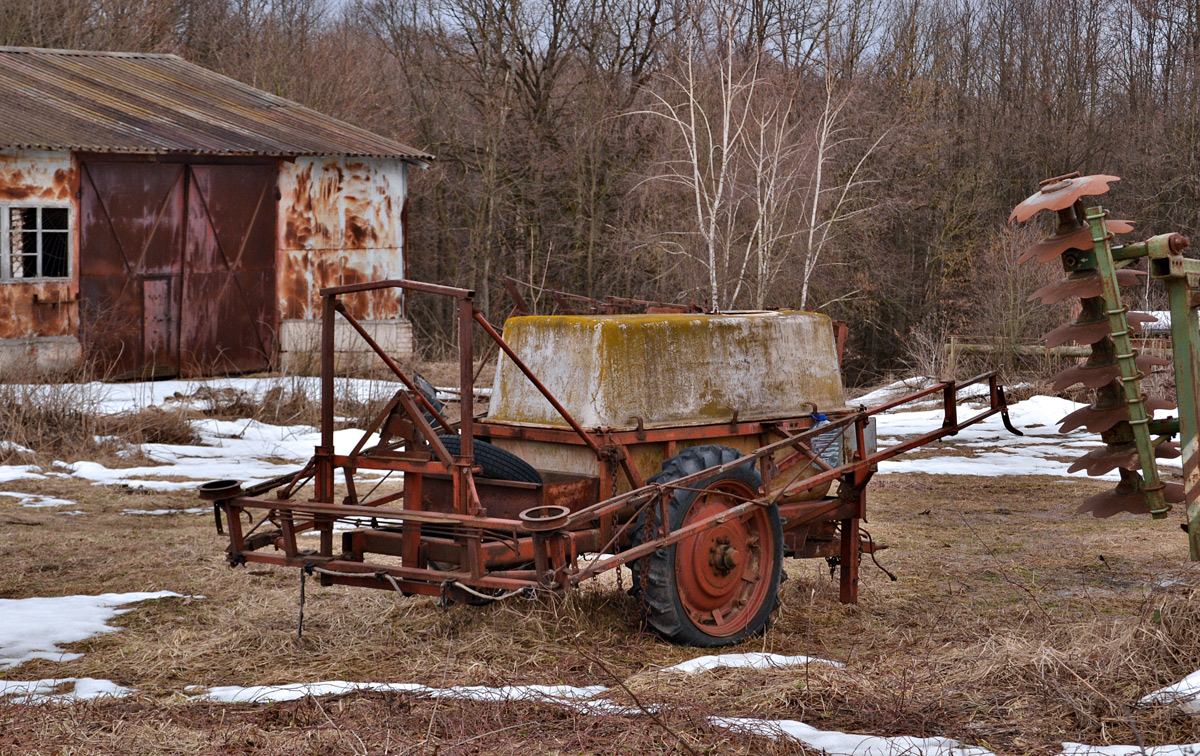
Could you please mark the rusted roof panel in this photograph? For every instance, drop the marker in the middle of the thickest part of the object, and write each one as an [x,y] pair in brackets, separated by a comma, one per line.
[148,103]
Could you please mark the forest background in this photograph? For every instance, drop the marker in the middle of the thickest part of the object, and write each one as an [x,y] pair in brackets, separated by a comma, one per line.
[856,157]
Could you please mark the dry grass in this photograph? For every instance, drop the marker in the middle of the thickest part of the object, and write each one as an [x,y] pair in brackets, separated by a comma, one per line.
[287,402]
[63,421]
[363,724]
[290,400]
[47,418]
[1014,625]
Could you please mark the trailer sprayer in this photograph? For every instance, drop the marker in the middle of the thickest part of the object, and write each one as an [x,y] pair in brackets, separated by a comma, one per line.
[697,449]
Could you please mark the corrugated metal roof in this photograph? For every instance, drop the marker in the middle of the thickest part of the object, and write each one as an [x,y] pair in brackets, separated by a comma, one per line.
[147,103]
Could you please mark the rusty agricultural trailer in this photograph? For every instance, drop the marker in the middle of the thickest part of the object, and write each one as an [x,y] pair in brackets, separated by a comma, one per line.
[705,537]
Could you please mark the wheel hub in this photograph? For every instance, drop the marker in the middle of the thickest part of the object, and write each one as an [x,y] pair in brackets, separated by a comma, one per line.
[724,557]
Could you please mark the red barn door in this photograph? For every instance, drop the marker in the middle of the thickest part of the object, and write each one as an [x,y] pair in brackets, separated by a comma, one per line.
[177,267]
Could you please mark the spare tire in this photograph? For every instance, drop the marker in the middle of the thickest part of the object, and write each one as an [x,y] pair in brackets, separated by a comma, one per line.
[497,463]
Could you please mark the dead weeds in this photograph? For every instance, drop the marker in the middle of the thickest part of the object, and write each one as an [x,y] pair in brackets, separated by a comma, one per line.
[1014,625]
[371,723]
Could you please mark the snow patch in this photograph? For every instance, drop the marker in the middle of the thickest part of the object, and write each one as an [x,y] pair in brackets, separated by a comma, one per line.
[574,697]
[590,699]
[192,510]
[248,450]
[1185,694]
[43,691]
[33,628]
[1043,450]
[752,660]
[35,501]
[1080,749]
[899,389]
[347,524]
[890,392]
[13,447]
[10,473]
[835,743]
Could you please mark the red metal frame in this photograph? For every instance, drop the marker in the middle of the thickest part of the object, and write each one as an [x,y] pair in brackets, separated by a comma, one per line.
[456,534]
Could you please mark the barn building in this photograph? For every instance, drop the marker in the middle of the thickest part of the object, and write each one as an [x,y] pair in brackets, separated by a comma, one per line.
[159,219]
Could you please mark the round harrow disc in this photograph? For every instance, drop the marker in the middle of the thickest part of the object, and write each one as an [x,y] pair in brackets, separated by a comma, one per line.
[1113,502]
[1093,330]
[1083,286]
[1060,193]
[1099,419]
[1052,247]
[1095,376]
[1108,458]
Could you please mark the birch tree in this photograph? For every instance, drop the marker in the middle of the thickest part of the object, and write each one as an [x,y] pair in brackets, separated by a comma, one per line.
[710,122]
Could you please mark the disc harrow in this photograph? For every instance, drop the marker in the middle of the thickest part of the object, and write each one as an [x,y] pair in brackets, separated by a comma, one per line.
[1121,413]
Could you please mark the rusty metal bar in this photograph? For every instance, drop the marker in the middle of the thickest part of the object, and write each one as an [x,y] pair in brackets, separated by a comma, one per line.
[950,406]
[848,577]
[801,449]
[888,453]
[395,368]
[372,572]
[425,429]
[397,463]
[327,328]
[519,304]
[841,330]
[324,454]
[648,304]
[346,510]
[677,433]
[935,388]
[398,283]
[639,495]
[466,378]
[375,425]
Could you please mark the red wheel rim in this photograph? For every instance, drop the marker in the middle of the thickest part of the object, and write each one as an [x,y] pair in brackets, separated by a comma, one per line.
[723,574]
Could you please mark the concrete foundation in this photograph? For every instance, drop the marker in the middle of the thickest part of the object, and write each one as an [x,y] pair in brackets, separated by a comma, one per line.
[300,344]
[45,355]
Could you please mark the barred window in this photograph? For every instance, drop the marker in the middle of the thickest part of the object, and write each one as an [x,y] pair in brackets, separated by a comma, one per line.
[35,242]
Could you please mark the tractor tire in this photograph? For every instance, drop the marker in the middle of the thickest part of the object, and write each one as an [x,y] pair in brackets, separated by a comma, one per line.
[720,586]
[497,463]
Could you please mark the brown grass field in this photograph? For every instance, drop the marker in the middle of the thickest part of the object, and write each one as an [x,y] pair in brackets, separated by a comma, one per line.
[1015,625]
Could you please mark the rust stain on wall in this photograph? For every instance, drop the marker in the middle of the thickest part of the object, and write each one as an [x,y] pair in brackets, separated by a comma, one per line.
[36,175]
[38,308]
[339,224]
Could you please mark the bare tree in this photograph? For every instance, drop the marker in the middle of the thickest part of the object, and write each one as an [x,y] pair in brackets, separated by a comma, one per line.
[707,106]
